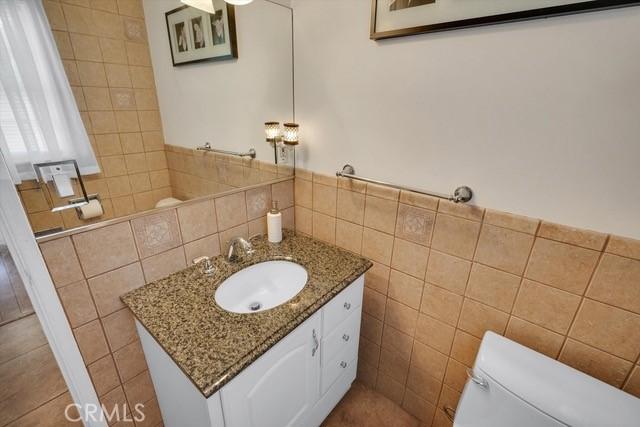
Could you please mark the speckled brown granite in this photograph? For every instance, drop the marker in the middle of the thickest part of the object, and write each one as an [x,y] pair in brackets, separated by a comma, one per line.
[212,345]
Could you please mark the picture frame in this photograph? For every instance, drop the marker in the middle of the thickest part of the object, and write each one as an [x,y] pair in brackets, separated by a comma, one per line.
[398,18]
[198,36]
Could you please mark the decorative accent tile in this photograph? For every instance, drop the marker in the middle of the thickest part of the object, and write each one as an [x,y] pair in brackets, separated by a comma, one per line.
[415,224]
[134,30]
[156,233]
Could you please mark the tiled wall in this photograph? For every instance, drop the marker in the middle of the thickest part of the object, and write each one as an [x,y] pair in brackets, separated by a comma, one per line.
[197,173]
[103,46]
[92,269]
[444,274]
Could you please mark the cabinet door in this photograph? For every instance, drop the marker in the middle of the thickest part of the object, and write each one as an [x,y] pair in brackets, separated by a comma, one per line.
[280,387]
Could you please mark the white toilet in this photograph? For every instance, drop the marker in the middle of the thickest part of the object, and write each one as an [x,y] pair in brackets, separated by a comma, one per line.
[514,386]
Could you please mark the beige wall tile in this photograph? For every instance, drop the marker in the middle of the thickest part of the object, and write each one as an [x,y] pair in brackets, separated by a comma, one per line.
[410,258]
[156,160]
[141,77]
[119,186]
[107,24]
[632,385]
[368,352]
[324,199]
[146,99]
[144,201]
[405,289]
[563,266]
[429,360]
[150,120]
[596,363]
[504,249]
[258,201]
[477,318]
[160,178]
[304,221]
[456,376]
[377,278]
[448,272]
[91,341]
[55,15]
[164,264]
[350,206]
[130,360]
[77,303]
[352,185]
[140,182]
[493,287]
[79,19]
[455,236]
[63,43]
[156,233]
[225,236]
[349,236]
[393,365]
[258,226]
[377,246]
[371,328]
[608,328]
[131,142]
[108,144]
[448,398]
[288,218]
[398,341]
[441,304]
[119,328]
[303,190]
[324,227]
[106,5]
[122,99]
[574,236]
[91,74]
[415,224]
[153,140]
[113,51]
[197,220]
[374,303]
[107,288]
[105,248]
[434,333]
[329,180]
[423,384]
[624,246]
[207,246]
[380,214]
[282,192]
[465,347]
[104,375]
[520,223]
[113,166]
[546,306]
[86,47]
[617,282]
[131,8]
[231,210]
[383,192]
[117,75]
[401,317]
[539,339]
[390,388]
[34,200]
[62,261]
[103,122]
[461,210]
[127,121]
[418,200]
[418,407]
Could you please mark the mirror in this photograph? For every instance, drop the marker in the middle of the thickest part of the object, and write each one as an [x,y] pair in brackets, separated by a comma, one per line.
[161,79]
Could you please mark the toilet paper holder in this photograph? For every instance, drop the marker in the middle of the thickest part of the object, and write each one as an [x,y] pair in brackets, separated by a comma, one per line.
[74,203]
[77,203]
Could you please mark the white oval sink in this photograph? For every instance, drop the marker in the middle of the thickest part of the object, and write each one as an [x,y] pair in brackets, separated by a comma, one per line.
[261,286]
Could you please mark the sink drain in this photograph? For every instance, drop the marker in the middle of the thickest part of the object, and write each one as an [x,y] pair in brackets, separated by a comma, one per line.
[255,306]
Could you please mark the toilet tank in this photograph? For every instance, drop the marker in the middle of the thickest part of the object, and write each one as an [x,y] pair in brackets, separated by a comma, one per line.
[512,385]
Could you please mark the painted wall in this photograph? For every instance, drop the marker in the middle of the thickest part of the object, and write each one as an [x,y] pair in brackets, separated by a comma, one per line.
[539,118]
[226,102]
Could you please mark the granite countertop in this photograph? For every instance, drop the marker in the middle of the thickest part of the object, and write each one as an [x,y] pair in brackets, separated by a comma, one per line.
[212,345]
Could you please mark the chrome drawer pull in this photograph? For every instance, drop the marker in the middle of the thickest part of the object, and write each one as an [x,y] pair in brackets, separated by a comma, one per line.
[347,305]
[343,364]
[316,344]
[345,337]
[477,379]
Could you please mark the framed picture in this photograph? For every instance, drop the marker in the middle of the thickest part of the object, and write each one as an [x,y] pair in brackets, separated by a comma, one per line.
[396,18]
[196,36]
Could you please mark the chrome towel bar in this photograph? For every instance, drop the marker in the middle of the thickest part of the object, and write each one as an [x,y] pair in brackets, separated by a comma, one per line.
[207,147]
[460,195]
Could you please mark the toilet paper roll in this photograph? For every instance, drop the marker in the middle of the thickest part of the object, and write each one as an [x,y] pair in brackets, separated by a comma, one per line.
[92,210]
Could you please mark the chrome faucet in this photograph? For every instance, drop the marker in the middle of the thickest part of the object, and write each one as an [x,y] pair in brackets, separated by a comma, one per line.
[238,243]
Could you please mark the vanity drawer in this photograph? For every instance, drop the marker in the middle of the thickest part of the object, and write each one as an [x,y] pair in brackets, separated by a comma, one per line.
[342,336]
[342,305]
[332,370]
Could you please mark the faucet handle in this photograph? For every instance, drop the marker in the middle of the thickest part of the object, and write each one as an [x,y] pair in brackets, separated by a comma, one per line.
[207,267]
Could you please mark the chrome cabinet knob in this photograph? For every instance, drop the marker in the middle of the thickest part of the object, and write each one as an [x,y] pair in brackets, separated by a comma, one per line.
[347,305]
[343,364]
[208,267]
[345,337]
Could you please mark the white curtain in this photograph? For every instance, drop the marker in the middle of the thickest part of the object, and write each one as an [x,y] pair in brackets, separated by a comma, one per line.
[38,115]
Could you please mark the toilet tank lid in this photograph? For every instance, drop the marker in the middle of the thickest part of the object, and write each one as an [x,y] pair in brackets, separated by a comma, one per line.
[558,390]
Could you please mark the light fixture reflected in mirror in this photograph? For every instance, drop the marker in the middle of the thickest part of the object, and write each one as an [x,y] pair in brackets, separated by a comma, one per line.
[272,131]
[206,5]
[283,145]
[290,134]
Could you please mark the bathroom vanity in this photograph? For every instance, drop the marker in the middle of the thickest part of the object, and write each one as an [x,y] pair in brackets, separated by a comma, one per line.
[284,366]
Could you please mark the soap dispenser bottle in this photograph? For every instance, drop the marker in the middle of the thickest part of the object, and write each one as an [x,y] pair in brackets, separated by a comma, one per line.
[274,224]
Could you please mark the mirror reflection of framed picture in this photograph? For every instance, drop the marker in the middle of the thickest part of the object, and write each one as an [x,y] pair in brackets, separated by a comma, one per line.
[196,36]
[396,18]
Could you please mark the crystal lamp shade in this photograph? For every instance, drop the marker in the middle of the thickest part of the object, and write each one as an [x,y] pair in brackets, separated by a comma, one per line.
[290,134]
[272,131]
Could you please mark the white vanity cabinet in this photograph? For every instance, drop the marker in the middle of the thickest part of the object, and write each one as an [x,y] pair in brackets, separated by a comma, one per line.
[297,382]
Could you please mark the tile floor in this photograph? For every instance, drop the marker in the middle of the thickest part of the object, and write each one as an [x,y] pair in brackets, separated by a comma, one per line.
[14,301]
[364,407]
